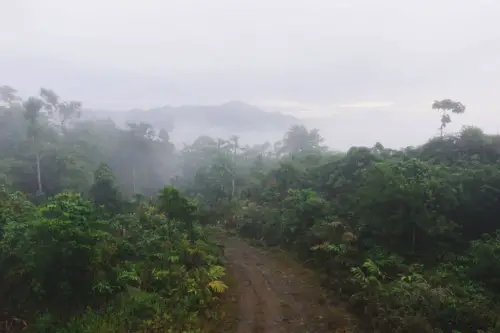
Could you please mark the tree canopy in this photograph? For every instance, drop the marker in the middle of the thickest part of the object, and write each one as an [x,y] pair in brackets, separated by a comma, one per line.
[103,228]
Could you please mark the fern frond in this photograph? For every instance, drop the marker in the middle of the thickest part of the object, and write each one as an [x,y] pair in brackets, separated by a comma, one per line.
[216,272]
[371,267]
[217,286]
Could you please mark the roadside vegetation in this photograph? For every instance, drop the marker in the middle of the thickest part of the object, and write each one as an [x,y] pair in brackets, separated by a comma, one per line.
[79,252]
[408,238]
[91,240]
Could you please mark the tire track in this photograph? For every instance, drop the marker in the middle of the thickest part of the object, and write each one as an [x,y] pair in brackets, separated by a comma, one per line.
[278,295]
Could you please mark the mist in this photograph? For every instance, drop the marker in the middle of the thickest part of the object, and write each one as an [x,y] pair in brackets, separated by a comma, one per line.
[249,166]
[345,68]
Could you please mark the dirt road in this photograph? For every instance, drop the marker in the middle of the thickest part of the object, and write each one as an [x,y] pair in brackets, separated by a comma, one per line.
[275,294]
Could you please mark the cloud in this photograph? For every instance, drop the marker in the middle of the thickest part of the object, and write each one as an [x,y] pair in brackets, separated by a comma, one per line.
[312,110]
[280,103]
[307,58]
[367,104]
[294,108]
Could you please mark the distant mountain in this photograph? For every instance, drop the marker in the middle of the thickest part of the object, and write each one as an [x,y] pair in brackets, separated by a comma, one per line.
[188,122]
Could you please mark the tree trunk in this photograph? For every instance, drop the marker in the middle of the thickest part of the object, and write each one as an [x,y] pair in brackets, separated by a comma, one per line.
[63,127]
[133,180]
[233,189]
[413,241]
[38,174]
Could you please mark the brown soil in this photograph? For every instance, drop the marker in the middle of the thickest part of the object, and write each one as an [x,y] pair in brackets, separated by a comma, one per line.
[271,293]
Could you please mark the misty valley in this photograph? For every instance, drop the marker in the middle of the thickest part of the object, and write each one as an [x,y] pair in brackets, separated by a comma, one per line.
[107,225]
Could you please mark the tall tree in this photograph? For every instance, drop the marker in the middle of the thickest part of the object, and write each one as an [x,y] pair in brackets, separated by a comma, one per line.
[299,139]
[32,107]
[234,142]
[447,106]
[63,110]
[8,94]
[104,191]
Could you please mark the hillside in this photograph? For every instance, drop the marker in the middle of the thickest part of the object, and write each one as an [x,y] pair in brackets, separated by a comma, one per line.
[188,122]
[407,240]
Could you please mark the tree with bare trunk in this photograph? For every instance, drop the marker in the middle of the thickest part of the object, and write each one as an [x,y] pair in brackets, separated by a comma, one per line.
[446,106]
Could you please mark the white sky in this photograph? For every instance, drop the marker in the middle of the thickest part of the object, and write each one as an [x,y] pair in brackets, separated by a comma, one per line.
[309,57]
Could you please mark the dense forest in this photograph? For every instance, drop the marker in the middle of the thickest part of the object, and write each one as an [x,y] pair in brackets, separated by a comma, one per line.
[407,237]
[103,229]
[91,240]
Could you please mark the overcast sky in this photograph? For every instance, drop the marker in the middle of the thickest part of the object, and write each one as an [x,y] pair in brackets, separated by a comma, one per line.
[315,56]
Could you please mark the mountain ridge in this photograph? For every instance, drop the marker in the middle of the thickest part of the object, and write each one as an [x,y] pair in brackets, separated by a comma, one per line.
[187,122]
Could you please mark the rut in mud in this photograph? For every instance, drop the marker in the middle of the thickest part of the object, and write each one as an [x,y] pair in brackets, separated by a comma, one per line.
[274,294]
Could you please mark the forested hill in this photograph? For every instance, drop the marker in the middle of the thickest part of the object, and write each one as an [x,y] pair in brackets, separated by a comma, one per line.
[91,240]
[186,123]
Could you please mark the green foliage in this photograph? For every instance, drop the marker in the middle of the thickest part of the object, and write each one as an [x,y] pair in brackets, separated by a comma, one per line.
[405,204]
[67,265]
[408,237]
[45,149]
[446,106]
[174,205]
[298,140]
[104,192]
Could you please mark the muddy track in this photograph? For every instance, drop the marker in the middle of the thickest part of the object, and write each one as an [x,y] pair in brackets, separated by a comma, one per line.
[276,294]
